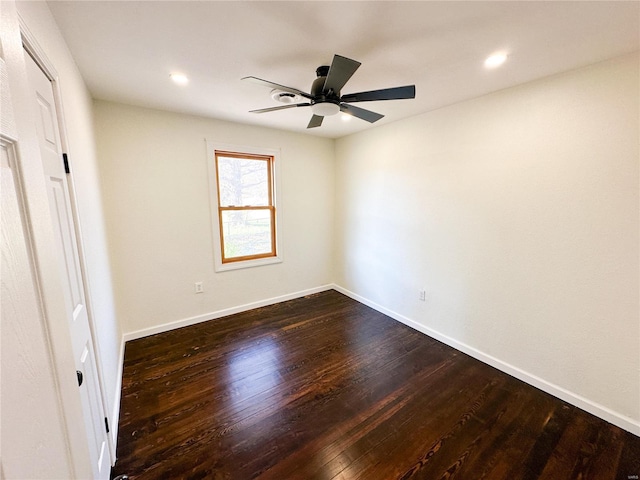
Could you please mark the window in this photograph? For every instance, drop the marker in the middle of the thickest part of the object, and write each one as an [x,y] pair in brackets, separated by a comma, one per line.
[246,208]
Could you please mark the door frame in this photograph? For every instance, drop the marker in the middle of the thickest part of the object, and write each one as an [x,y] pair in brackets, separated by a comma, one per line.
[32,47]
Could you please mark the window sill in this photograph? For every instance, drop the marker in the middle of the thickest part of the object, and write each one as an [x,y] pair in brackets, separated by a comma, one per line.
[225,267]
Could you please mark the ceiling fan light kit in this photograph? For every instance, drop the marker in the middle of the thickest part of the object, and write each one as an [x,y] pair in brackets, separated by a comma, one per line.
[325,109]
[325,98]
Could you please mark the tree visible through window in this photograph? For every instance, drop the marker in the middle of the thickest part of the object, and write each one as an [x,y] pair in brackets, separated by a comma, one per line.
[246,209]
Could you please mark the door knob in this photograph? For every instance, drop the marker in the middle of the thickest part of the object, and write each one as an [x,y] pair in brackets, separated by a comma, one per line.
[80,377]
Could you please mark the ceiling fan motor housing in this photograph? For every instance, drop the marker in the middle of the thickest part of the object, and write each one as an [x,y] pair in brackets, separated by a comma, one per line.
[323,103]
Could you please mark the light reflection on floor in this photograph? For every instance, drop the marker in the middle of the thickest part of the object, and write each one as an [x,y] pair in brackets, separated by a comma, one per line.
[253,375]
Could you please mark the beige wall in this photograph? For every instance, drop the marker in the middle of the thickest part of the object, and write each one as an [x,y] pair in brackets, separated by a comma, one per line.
[517,212]
[156,190]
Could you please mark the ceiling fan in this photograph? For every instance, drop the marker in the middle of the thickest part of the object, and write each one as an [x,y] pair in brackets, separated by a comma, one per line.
[325,98]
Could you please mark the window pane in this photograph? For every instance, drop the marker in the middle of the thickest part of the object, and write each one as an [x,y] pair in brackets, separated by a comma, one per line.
[243,182]
[246,232]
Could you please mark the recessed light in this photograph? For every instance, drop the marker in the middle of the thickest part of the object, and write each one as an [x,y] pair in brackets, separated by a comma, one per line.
[179,78]
[495,60]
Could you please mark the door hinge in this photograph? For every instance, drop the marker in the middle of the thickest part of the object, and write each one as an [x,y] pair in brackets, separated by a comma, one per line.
[106,423]
[65,159]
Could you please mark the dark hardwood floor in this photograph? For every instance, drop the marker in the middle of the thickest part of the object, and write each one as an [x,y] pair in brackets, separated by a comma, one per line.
[324,387]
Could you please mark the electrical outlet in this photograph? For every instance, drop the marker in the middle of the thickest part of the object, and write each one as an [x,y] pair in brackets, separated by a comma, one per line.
[423,295]
[199,287]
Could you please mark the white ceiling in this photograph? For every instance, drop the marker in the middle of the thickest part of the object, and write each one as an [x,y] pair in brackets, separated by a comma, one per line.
[126,50]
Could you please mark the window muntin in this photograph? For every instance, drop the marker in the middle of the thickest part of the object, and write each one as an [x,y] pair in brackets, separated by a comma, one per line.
[246,207]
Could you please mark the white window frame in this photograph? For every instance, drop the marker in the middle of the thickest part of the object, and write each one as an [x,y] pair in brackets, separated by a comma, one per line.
[213,202]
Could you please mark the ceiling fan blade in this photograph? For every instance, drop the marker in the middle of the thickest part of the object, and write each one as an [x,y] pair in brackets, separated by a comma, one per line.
[361,113]
[266,83]
[315,121]
[397,93]
[341,70]
[281,107]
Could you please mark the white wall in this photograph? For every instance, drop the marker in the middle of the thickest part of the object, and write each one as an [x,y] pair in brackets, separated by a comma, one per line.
[77,106]
[155,184]
[518,213]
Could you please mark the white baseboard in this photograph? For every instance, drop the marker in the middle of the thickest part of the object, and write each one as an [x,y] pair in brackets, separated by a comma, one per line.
[220,313]
[579,401]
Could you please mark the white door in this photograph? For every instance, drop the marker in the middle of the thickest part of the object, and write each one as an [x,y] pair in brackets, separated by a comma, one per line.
[64,231]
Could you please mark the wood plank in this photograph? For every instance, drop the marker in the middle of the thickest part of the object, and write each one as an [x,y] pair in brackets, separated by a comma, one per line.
[325,387]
